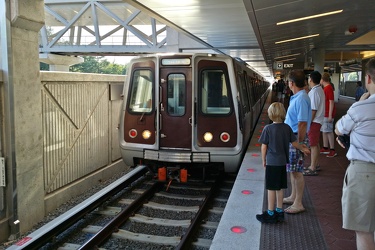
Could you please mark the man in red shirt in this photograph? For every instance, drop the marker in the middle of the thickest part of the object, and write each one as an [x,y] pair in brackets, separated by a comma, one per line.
[330,111]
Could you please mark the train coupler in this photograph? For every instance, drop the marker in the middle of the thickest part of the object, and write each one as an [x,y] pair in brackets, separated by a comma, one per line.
[180,175]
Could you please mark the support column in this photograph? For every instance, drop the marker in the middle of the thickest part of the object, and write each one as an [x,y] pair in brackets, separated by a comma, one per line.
[59,62]
[25,192]
[318,56]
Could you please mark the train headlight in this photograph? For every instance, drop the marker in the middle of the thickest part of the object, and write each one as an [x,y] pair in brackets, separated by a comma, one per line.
[146,134]
[224,137]
[133,133]
[207,137]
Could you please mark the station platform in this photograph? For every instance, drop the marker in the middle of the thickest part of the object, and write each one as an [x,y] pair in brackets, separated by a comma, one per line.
[319,227]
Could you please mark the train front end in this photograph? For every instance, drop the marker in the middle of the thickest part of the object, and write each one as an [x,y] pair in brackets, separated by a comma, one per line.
[181,112]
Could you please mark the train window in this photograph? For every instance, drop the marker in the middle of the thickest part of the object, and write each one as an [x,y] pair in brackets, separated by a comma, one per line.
[141,99]
[215,94]
[176,94]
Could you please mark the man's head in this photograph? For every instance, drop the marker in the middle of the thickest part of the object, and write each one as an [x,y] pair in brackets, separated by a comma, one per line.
[315,78]
[296,80]
[370,69]
[370,76]
[326,78]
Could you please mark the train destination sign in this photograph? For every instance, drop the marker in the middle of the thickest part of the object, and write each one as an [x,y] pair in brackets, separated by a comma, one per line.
[175,61]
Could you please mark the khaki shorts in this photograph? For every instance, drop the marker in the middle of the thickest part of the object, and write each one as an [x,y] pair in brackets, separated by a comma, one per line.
[358,197]
[327,126]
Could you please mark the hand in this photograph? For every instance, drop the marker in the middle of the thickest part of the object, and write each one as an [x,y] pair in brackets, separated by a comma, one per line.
[364,96]
[305,150]
[329,119]
[339,142]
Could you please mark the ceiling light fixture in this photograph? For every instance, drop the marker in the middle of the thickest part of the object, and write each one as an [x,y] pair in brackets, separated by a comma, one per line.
[290,59]
[297,38]
[310,17]
[287,56]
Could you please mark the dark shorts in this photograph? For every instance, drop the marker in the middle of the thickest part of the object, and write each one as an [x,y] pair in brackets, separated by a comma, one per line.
[314,134]
[276,177]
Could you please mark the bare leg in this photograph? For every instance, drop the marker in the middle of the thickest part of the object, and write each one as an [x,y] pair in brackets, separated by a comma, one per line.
[271,199]
[315,151]
[325,140]
[292,195]
[331,140]
[365,240]
[299,187]
[279,198]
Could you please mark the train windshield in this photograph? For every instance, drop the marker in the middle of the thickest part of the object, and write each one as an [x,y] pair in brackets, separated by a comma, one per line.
[214,93]
[141,100]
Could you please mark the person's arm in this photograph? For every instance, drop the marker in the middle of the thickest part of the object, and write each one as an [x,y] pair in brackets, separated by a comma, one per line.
[263,149]
[302,147]
[331,105]
[313,114]
[302,130]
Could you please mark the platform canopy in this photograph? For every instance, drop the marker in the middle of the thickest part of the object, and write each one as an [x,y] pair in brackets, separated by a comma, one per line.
[263,33]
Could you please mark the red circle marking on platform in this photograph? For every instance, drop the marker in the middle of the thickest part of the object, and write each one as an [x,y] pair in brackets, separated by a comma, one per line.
[257,145]
[258,136]
[262,122]
[238,229]
[255,155]
[251,170]
[247,192]
[260,131]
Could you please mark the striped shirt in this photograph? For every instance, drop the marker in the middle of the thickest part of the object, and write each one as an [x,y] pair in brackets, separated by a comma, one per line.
[359,122]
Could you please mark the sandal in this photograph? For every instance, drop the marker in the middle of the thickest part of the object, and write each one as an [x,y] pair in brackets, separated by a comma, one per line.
[317,168]
[310,172]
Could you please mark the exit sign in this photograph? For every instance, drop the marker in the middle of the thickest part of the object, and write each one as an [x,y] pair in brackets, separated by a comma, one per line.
[288,65]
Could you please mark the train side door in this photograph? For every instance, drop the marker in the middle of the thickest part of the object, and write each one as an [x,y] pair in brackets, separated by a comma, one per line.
[175,108]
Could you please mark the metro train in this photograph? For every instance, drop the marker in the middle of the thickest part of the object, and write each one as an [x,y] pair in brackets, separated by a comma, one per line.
[189,111]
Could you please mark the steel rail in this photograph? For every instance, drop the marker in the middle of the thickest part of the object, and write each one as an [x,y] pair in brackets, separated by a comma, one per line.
[44,234]
[187,237]
[120,219]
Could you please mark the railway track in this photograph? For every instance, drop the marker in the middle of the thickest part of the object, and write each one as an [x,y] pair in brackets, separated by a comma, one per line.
[137,212]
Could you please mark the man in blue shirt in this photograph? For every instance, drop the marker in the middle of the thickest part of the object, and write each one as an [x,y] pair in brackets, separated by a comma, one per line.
[359,91]
[298,117]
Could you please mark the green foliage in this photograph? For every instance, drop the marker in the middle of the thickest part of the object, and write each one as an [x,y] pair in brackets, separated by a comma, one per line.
[44,66]
[353,76]
[98,65]
[93,64]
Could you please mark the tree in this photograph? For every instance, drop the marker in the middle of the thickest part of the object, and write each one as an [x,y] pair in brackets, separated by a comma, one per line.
[98,65]
[93,64]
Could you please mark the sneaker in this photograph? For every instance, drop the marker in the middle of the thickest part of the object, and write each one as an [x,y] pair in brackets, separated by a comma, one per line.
[332,153]
[279,216]
[324,151]
[266,218]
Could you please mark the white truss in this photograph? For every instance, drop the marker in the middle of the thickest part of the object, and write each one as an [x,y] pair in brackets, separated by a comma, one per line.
[100,27]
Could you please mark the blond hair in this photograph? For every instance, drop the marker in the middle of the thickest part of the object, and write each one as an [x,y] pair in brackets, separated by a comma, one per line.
[276,112]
